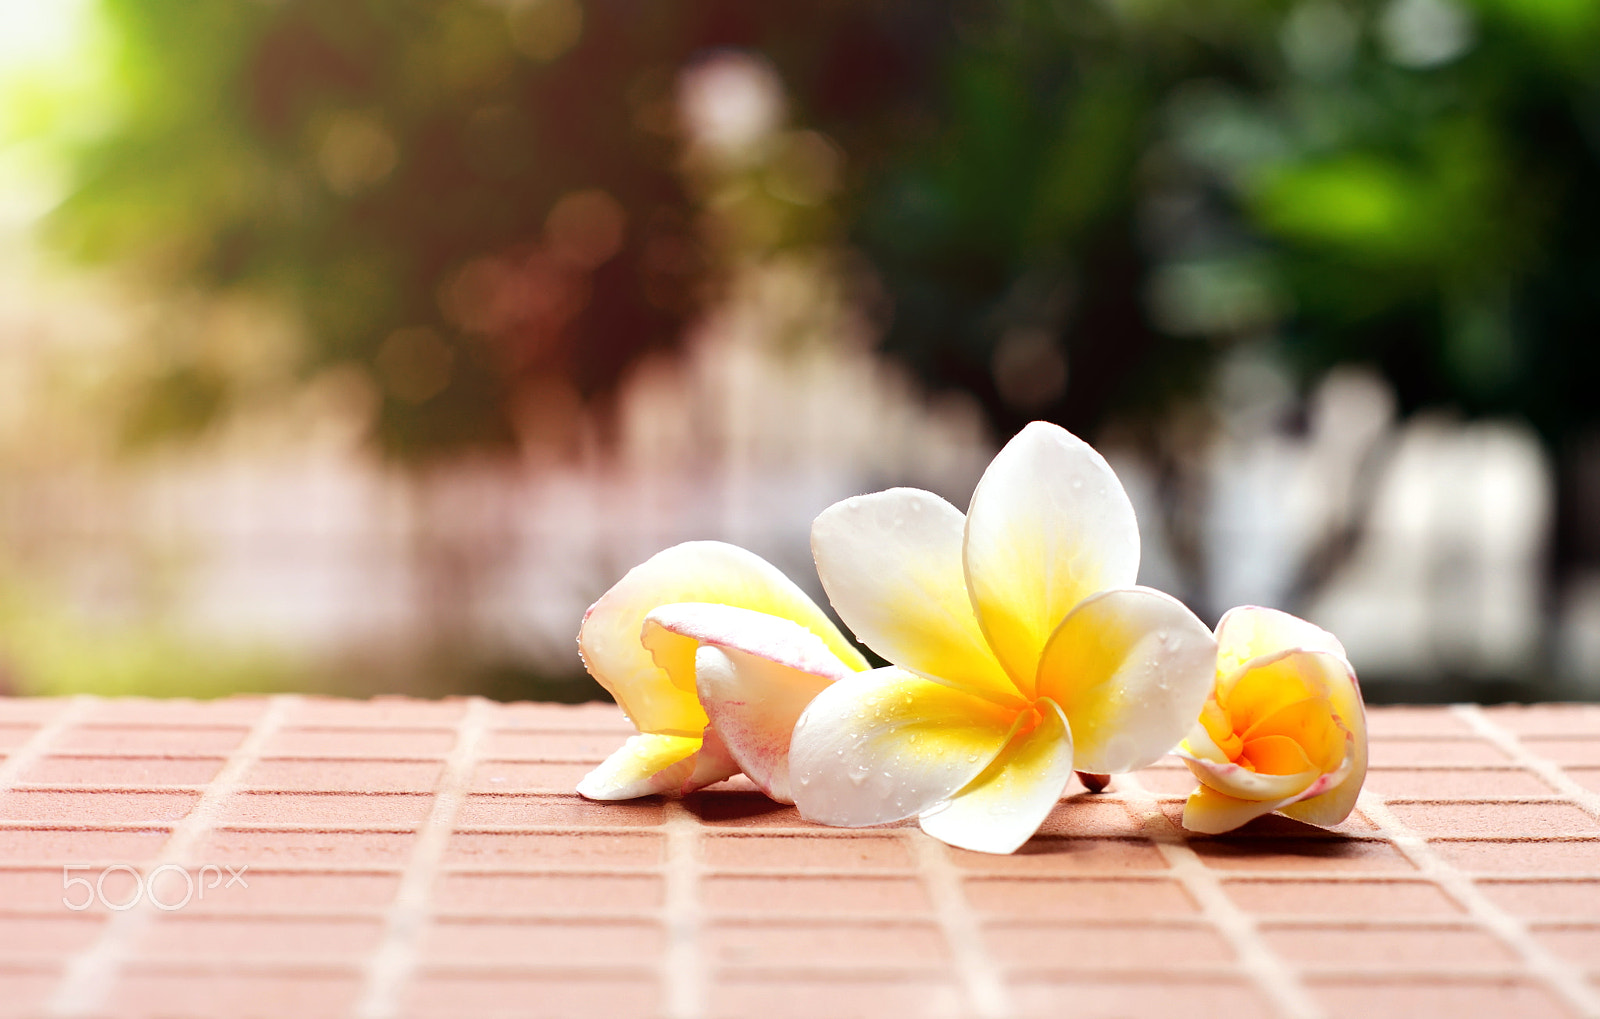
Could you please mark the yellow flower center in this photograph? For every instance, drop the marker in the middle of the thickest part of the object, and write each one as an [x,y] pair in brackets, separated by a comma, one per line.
[1276,721]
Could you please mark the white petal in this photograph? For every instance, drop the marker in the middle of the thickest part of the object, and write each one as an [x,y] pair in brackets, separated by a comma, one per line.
[1049,525]
[1240,783]
[754,674]
[885,745]
[891,564]
[1250,631]
[1004,806]
[1212,813]
[704,571]
[643,766]
[1131,670]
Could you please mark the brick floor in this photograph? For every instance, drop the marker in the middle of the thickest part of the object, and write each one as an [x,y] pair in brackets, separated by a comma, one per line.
[410,858]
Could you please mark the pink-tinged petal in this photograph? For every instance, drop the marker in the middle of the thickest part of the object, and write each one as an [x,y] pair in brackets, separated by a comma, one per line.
[712,764]
[891,564]
[663,701]
[754,674]
[886,745]
[1004,806]
[1238,782]
[754,703]
[1250,631]
[1131,670]
[643,766]
[1049,525]
[1334,805]
[1212,813]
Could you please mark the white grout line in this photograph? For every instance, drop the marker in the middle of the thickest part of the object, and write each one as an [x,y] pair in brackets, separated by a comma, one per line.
[1550,771]
[88,977]
[683,973]
[1566,981]
[390,969]
[1266,970]
[980,978]
[24,757]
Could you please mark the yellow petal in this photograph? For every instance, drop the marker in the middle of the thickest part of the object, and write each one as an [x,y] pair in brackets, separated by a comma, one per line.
[697,571]
[1239,782]
[885,745]
[891,564]
[1212,813]
[1269,684]
[1131,670]
[643,766]
[1277,755]
[1049,525]
[1308,724]
[1002,808]
[1250,631]
[1333,806]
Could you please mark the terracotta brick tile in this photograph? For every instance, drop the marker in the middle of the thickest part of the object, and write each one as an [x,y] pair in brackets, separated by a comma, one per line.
[580,745]
[544,942]
[177,711]
[1343,898]
[14,735]
[1432,947]
[92,808]
[304,994]
[741,810]
[1084,947]
[528,777]
[1087,997]
[825,944]
[1065,856]
[1087,816]
[444,995]
[81,845]
[185,936]
[1299,855]
[837,997]
[354,742]
[1455,998]
[1523,856]
[1579,944]
[534,851]
[547,894]
[1111,899]
[376,713]
[1401,720]
[1578,900]
[1548,719]
[340,775]
[570,810]
[305,848]
[144,771]
[1494,818]
[1589,778]
[1568,752]
[36,710]
[401,809]
[24,991]
[1448,784]
[150,740]
[797,895]
[802,853]
[1395,753]
[48,935]
[264,891]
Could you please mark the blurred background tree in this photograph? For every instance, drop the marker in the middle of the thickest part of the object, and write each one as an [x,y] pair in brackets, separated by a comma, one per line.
[473,219]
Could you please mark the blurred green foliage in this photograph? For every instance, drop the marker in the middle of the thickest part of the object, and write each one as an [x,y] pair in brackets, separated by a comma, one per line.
[1074,205]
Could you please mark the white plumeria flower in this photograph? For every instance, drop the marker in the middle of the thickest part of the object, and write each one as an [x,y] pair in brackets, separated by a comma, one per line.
[1020,650]
[1284,728]
[712,653]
